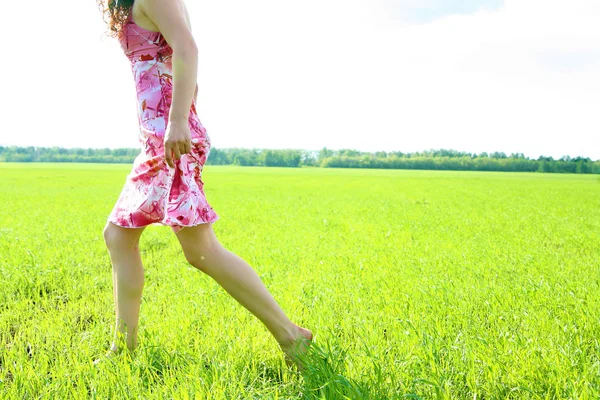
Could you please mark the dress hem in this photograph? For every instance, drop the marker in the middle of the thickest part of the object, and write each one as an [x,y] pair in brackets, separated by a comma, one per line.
[175,228]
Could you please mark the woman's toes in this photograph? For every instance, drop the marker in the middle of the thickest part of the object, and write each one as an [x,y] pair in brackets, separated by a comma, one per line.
[297,347]
[109,355]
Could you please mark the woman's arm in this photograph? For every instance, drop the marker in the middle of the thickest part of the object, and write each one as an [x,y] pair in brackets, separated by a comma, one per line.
[169,17]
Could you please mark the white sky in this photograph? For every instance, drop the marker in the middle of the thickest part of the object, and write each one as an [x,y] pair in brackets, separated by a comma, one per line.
[370,75]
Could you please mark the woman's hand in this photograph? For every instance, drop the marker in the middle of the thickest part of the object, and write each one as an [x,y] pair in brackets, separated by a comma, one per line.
[178,140]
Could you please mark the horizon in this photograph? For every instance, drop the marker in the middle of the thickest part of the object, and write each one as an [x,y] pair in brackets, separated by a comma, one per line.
[509,155]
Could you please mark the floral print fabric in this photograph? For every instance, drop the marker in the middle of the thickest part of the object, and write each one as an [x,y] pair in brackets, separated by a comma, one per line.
[155,193]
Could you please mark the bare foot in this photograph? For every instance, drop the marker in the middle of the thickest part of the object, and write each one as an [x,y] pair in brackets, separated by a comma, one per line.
[110,354]
[295,346]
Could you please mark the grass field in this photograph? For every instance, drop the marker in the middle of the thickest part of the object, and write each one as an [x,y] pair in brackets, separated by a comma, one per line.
[416,284]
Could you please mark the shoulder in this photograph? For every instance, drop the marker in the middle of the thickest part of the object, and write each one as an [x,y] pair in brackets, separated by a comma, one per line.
[163,10]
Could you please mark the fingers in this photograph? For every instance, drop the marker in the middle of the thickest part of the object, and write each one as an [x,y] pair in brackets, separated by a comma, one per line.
[184,148]
[168,155]
[176,153]
[174,150]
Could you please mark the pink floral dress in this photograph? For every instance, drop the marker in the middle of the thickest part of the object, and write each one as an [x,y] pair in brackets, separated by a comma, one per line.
[155,193]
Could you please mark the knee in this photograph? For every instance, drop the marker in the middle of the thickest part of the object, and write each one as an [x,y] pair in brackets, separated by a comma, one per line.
[204,257]
[116,238]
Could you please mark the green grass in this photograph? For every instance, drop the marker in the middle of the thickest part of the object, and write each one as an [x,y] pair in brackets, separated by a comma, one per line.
[416,284]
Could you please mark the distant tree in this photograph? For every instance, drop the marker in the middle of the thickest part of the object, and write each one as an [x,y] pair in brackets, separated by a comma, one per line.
[218,157]
[239,159]
[272,159]
[582,167]
[292,158]
[349,153]
[324,153]
[309,158]
[497,154]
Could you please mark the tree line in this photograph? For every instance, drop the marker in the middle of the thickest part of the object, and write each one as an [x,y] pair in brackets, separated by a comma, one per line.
[324,158]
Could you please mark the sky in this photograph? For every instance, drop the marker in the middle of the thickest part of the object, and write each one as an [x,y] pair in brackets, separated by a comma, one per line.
[516,76]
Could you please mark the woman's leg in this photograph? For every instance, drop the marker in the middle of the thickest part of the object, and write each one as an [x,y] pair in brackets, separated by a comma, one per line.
[202,249]
[128,282]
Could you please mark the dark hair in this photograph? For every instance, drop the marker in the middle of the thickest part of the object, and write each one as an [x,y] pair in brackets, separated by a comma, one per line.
[114,14]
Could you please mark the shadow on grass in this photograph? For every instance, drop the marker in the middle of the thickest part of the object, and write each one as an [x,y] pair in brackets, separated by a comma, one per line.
[323,377]
[157,363]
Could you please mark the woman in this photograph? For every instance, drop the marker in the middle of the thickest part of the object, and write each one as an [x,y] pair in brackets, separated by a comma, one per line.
[165,185]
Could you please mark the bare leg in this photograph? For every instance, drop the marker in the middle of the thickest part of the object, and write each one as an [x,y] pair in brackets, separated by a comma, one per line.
[128,282]
[203,251]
